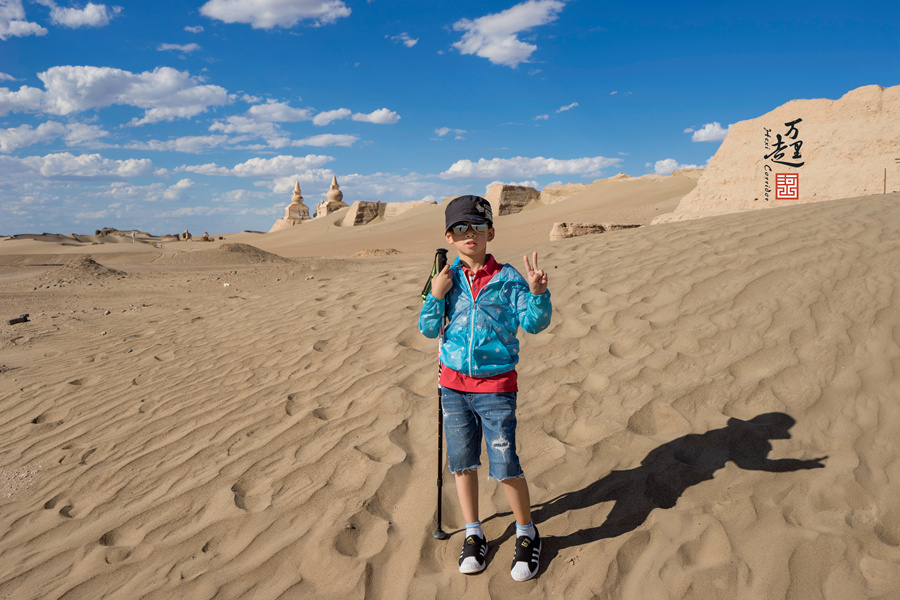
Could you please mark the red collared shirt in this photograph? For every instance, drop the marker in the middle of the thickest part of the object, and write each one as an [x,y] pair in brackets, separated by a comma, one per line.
[502,383]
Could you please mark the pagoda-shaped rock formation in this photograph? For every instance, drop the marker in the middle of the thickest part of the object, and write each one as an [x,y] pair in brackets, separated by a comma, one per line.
[294,214]
[333,200]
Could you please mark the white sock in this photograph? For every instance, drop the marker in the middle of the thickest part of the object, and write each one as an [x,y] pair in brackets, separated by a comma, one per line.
[526,530]
[474,529]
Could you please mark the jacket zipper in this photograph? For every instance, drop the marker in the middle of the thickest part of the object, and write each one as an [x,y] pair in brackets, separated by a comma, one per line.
[471,321]
[472,314]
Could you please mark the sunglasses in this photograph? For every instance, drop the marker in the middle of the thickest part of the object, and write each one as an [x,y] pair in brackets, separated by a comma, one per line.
[462,228]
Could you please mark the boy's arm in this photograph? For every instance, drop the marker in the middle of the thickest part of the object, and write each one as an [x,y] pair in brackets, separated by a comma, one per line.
[534,311]
[430,316]
[534,306]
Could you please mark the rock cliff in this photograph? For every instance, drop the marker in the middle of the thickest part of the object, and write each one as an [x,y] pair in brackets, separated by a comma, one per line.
[803,151]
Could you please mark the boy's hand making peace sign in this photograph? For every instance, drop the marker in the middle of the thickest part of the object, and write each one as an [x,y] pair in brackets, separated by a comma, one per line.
[537,279]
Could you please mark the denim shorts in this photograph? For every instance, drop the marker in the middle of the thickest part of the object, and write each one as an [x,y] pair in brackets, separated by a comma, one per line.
[466,415]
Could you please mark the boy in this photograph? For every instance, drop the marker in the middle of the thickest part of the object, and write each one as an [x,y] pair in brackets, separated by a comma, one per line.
[484,304]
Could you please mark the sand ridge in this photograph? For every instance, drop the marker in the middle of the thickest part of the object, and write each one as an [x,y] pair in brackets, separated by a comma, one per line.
[275,438]
[230,253]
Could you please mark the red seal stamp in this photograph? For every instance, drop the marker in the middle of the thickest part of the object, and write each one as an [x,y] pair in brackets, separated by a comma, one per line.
[787,186]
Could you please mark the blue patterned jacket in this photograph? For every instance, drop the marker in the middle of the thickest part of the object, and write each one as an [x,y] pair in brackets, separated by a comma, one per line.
[480,335]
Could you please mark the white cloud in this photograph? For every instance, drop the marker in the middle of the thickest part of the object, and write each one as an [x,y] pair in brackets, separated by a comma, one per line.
[389,186]
[327,139]
[246,125]
[25,99]
[530,183]
[542,117]
[613,93]
[154,192]
[326,117]
[6,77]
[404,39]
[191,144]
[75,134]
[19,137]
[65,165]
[567,107]
[243,196]
[165,93]
[278,166]
[266,14]
[494,36]
[24,135]
[382,116]
[194,211]
[186,48]
[13,23]
[458,133]
[688,130]
[666,166]
[284,185]
[99,214]
[385,186]
[177,191]
[92,15]
[81,134]
[711,132]
[272,142]
[275,209]
[25,205]
[194,29]
[205,169]
[520,166]
[260,119]
[278,112]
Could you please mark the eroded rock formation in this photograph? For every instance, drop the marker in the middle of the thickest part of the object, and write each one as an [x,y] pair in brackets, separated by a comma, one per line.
[510,199]
[803,151]
[565,230]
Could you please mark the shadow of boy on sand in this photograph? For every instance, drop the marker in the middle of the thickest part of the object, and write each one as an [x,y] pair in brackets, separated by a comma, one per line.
[665,474]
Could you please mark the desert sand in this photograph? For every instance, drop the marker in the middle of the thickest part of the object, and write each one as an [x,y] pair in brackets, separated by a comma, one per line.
[712,413]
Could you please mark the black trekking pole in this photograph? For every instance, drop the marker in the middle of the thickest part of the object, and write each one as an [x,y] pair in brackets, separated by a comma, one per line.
[440,261]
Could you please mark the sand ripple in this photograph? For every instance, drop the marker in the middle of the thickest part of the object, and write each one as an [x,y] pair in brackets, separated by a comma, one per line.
[275,438]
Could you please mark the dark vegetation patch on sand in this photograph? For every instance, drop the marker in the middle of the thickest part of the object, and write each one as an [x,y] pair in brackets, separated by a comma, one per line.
[377,252]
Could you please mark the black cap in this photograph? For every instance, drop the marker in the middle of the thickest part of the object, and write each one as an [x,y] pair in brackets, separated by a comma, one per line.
[468,209]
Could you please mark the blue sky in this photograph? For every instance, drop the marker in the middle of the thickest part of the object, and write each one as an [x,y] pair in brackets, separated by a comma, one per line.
[170,115]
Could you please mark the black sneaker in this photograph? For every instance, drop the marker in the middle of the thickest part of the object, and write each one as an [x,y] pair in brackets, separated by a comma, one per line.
[471,559]
[528,553]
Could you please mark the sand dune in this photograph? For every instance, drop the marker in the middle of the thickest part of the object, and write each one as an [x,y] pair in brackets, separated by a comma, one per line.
[609,200]
[275,438]
[229,253]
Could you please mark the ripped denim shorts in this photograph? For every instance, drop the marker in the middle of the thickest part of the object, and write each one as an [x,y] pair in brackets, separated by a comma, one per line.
[466,415]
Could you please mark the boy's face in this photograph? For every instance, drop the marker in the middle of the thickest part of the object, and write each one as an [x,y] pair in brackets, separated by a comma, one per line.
[470,244]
